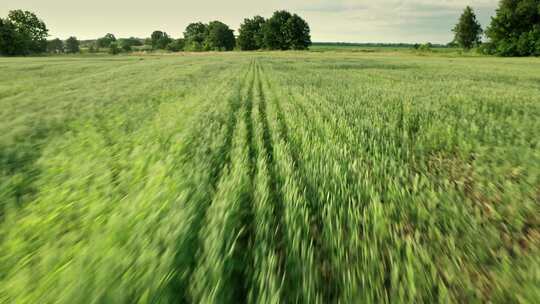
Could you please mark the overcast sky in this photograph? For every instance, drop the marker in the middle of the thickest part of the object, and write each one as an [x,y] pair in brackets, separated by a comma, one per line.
[330,20]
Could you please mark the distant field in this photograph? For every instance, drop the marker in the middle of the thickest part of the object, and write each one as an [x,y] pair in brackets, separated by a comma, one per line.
[327,177]
[402,50]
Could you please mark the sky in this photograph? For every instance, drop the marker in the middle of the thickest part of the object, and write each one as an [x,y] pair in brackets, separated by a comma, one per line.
[385,21]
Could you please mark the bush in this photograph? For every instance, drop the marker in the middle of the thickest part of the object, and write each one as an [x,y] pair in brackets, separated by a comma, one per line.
[126,48]
[486,48]
[176,45]
[114,49]
[93,48]
[426,47]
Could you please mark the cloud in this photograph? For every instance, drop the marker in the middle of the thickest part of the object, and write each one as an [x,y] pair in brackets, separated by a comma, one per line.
[333,8]
[393,20]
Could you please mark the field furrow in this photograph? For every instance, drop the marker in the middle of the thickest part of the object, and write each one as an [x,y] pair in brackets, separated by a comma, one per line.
[305,271]
[269,177]
[223,263]
[269,251]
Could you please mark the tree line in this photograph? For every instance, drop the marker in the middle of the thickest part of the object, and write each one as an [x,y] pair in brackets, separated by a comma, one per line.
[23,33]
[514,30]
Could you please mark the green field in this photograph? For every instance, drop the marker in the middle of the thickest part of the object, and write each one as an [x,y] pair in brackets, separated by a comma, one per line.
[286,177]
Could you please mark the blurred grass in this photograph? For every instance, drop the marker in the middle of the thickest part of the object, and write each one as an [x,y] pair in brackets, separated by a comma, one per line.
[270,177]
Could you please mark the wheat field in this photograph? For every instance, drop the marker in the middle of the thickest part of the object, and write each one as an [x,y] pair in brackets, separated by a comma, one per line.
[268,177]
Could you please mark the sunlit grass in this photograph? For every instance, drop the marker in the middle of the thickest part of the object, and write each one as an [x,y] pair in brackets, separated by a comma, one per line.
[269,177]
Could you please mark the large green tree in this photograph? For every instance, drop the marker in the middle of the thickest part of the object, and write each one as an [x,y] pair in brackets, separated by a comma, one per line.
[515,29]
[468,31]
[106,40]
[195,35]
[297,33]
[72,45]
[11,42]
[22,33]
[220,37]
[251,35]
[33,31]
[274,29]
[160,40]
[284,31]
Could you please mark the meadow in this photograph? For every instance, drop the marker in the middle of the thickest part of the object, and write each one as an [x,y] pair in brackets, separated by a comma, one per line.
[270,177]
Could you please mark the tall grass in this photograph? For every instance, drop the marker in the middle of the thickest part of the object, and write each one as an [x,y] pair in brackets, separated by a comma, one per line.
[270,177]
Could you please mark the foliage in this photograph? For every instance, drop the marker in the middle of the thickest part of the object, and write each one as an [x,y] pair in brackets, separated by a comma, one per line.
[72,45]
[126,47]
[425,47]
[10,42]
[468,31]
[160,40]
[298,33]
[114,48]
[274,31]
[92,48]
[127,44]
[269,178]
[195,35]
[215,36]
[22,33]
[284,31]
[55,46]
[251,35]
[515,29]
[219,37]
[131,41]
[176,45]
[105,41]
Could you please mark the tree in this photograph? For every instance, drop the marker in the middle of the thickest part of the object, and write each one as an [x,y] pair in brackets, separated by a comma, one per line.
[22,33]
[251,34]
[220,37]
[114,49]
[468,31]
[274,31]
[72,45]
[105,41]
[55,46]
[160,40]
[11,43]
[32,30]
[515,28]
[297,33]
[195,35]
[176,45]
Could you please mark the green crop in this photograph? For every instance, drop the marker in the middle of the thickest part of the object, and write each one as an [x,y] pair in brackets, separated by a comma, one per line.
[292,177]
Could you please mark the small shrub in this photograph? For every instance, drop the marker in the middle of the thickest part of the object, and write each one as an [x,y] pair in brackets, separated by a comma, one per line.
[114,49]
